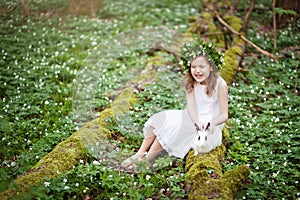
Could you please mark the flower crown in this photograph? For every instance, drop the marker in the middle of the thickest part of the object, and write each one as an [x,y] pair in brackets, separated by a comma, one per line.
[190,51]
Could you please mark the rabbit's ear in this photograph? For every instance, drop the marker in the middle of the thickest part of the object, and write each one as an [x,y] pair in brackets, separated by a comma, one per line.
[208,124]
[197,127]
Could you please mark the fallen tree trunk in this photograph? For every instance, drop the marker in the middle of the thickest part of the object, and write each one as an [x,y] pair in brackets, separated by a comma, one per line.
[68,153]
[205,178]
[202,171]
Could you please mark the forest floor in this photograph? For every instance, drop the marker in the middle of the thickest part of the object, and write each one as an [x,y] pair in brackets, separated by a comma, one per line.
[41,56]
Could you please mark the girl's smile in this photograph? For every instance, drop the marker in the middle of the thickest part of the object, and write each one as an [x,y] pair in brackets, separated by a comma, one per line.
[200,69]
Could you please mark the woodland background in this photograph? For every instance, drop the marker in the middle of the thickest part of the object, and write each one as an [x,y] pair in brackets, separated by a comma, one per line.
[44,44]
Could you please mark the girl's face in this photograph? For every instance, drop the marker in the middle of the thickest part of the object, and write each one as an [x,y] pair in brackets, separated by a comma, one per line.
[200,69]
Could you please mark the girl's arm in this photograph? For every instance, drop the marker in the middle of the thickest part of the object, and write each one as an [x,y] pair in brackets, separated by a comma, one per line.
[223,104]
[190,100]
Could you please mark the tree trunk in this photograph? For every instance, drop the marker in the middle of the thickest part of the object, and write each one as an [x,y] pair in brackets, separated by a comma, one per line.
[26,10]
[274,25]
[284,19]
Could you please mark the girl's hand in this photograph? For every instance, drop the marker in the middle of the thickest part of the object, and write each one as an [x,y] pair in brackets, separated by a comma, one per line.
[201,125]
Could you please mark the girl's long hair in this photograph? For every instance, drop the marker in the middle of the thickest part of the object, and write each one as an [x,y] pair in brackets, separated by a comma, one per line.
[211,80]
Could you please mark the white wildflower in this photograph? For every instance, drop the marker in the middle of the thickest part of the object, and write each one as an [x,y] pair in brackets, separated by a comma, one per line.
[148,177]
[47,184]
[95,162]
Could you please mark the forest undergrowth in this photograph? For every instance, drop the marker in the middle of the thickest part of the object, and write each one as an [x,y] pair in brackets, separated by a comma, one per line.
[41,56]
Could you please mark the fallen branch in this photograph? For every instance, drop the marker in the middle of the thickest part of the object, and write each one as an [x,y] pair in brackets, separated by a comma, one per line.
[212,34]
[244,38]
[243,70]
[3,11]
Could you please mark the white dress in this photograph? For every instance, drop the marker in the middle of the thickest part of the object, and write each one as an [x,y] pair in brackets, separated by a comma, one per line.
[176,131]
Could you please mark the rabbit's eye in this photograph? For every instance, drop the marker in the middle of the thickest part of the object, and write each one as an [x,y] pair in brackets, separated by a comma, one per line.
[199,138]
[205,138]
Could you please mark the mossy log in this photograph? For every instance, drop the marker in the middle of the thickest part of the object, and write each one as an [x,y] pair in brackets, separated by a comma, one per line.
[205,177]
[67,153]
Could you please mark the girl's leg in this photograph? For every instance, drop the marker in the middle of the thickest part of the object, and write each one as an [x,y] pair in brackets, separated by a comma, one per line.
[147,142]
[154,150]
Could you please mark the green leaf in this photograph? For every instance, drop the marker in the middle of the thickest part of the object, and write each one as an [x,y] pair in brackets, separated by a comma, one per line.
[282,11]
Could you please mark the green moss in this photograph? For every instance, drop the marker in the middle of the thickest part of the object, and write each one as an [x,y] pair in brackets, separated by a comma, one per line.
[239,42]
[96,131]
[226,136]
[205,23]
[67,153]
[230,64]
[207,16]
[235,22]
[235,50]
[61,159]
[193,19]
[234,178]
[123,102]
[212,28]
[205,179]
[149,73]
[92,132]
[204,162]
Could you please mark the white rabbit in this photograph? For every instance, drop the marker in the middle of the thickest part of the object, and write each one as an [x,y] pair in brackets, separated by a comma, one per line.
[200,144]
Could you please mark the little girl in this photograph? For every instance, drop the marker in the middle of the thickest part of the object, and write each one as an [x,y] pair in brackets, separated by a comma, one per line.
[207,102]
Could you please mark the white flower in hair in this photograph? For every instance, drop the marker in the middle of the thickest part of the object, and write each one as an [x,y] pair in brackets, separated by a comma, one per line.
[191,50]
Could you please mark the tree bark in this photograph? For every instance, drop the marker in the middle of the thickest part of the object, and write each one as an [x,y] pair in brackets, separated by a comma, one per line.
[26,10]
[287,5]
[247,16]
[274,24]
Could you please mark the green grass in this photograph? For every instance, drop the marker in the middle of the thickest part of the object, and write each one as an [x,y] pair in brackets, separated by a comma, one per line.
[40,58]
